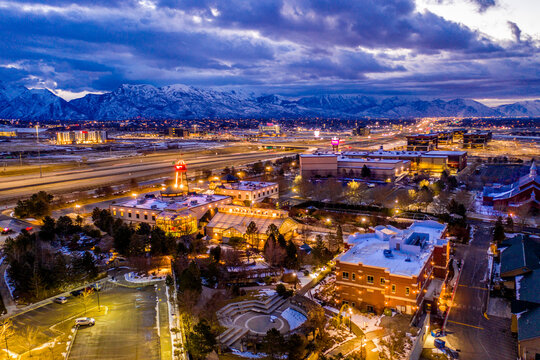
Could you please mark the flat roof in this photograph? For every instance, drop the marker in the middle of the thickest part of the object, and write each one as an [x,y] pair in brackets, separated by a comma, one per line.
[248,185]
[446,153]
[368,249]
[160,204]
[385,161]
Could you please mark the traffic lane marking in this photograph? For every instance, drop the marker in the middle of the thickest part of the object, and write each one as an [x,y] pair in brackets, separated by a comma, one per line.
[459,323]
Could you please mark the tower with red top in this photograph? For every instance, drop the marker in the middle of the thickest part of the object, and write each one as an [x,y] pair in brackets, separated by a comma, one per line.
[180,186]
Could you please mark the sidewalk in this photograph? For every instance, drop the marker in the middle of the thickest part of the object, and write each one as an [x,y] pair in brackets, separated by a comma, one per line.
[163,327]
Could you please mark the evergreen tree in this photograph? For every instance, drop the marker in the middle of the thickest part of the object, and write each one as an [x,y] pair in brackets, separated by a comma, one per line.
[190,278]
[498,231]
[273,344]
[201,341]
[365,172]
[48,229]
[292,256]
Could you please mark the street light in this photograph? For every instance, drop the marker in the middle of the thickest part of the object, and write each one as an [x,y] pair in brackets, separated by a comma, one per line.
[350,320]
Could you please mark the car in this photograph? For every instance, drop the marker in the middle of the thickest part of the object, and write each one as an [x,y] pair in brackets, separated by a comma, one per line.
[273,319]
[85,321]
[61,300]
[77,292]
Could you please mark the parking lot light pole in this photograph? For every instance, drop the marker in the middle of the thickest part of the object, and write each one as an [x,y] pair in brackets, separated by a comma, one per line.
[97,292]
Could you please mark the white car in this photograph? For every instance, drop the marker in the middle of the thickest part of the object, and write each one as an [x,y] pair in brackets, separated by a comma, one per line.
[85,321]
[61,300]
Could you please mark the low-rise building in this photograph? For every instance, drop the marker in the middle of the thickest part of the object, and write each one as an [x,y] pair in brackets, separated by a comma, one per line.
[178,132]
[81,137]
[476,139]
[422,142]
[522,194]
[178,217]
[252,191]
[233,221]
[270,129]
[393,268]
[334,165]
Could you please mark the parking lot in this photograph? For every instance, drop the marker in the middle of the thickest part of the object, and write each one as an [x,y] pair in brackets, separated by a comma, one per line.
[125,327]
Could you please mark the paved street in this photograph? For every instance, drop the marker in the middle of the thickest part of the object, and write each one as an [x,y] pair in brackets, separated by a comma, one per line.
[467,328]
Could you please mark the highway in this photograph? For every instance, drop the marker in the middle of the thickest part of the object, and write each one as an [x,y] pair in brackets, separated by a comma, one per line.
[95,175]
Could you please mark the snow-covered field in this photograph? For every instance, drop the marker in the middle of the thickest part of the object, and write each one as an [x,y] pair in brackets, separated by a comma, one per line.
[293,317]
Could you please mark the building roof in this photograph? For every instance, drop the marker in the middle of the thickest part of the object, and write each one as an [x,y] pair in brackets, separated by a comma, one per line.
[178,204]
[520,252]
[528,287]
[248,185]
[528,327]
[368,249]
[446,153]
[224,220]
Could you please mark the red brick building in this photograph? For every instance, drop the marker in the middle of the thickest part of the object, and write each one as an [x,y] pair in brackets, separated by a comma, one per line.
[393,268]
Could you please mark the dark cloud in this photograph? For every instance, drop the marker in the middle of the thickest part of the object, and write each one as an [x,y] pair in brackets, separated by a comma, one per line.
[516,31]
[285,45]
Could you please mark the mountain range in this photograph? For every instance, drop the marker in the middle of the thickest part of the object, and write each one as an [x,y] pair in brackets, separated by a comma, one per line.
[186,102]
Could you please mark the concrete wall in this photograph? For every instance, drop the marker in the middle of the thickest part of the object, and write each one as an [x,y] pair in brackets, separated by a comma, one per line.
[418,344]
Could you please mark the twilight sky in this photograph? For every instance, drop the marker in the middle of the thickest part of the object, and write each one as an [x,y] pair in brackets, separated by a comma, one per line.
[483,49]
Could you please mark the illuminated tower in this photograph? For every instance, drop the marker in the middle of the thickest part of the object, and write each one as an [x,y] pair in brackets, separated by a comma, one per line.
[180,186]
[335,143]
[180,180]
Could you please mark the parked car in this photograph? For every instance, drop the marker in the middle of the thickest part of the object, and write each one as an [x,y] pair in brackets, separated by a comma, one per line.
[77,292]
[85,321]
[61,300]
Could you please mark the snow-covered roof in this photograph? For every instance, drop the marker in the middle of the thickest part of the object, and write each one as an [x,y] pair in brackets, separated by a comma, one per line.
[160,204]
[368,249]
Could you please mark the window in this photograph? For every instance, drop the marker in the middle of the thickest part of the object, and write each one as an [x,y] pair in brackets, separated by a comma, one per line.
[383,282]
[353,304]
[153,217]
[345,275]
[354,276]
[145,216]
[121,213]
[114,212]
[407,291]
[129,214]
[137,216]
[370,279]
[239,196]
[369,308]
[393,289]
[345,302]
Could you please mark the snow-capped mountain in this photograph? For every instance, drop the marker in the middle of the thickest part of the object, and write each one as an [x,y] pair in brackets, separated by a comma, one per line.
[18,102]
[186,102]
[522,108]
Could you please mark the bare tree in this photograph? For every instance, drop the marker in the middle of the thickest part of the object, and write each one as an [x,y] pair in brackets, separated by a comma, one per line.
[6,331]
[29,334]
[86,298]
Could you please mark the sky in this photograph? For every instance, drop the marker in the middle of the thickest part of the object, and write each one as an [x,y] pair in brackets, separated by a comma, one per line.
[487,50]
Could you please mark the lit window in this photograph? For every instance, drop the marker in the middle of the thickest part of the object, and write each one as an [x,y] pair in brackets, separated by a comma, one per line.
[114,212]
[370,279]
[121,213]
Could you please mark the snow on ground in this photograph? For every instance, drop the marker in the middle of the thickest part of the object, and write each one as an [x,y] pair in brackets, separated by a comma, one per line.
[293,317]
[367,322]
[248,354]
[8,283]
[263,293]
[135,278]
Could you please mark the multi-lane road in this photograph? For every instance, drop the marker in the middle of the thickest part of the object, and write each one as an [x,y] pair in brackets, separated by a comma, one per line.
[121,171]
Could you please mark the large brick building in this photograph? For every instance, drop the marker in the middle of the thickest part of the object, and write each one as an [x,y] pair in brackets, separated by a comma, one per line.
[393,268]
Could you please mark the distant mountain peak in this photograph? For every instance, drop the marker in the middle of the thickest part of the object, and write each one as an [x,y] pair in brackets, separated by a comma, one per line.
[181,101]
